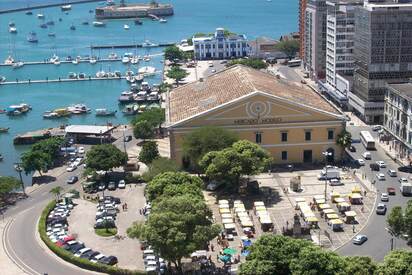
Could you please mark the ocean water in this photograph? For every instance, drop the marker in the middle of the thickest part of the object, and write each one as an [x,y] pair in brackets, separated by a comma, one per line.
[251,17]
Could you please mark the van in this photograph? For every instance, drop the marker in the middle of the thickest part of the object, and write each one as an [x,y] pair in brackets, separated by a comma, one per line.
[367,155]
[392,173]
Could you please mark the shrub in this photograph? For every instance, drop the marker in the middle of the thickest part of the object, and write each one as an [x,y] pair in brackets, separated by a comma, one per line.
[69,257]
[102,232]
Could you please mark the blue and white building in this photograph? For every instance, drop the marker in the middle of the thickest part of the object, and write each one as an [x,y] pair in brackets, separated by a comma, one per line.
[220,46]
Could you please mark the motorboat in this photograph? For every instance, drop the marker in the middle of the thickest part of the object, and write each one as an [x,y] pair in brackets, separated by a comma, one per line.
[40,16]
[130,78]
[56,62]
[147,70]
[99,24]
[134,87]
[129,73]
[12,30]
[126,27]
[112,55]
[148,44]
[50,114]
[18,64]
[101,74]
[19,109]
[142,108]
[153,96]
[2,78]
[85,22]
[162,20]
[4,129]
[131,109]
[9,60]
[32,37]
[145,86]
[29,13]
[54,58]
[134,60]
[141,96]
[111,74]
[12,24]
[126,97]
[43,26]
[78,109]
[117,73]
[139,78]
[50,23]
[82,75]
[51,34]
[92,60]
[125,59]
[75,61]
[105,112]
[73,27]
[66,7]
[146,58]
[57,113]
[138,22]
[72,75]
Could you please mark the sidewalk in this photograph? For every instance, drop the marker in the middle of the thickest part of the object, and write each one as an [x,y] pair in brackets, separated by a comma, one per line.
[392,153]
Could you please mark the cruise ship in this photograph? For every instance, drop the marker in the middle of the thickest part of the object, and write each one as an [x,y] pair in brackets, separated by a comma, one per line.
[133,10]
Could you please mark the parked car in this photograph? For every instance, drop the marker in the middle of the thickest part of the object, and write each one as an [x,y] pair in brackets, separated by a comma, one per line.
[71,168]
[381,164]
[403,180]
[97,258]
[81,150]
[367,155]
[391,191]
[381,209]
[72,179]
[101,186]
[121,184]
[374,167]
[376,127]
[110,260]
[359,239]
[352,148]
[384,197]
[81,251]
[111,185]
[380,176]
[335,182]
[89,254]
[128,138]
[103,224]
[361,162]
[392,173]
[406,169]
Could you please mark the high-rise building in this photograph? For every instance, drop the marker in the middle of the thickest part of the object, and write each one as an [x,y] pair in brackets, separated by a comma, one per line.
[383,54]
[302,9]
[314,59]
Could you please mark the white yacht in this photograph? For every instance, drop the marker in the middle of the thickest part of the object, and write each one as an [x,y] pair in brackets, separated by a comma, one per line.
[126,27]
[146,58]
[98,24]
[125,59]
[54,58]
[112,55]
[134,60]
[162,20]
[147,70]
[66,7]
[18,64]
[148,44]
[12,30]
[40,15]
[9,60]
[101,74]
[92,60]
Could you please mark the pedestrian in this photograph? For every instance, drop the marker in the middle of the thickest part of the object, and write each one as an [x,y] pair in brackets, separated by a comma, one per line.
[212,247]
[140,211]
[353,228]
[364,193]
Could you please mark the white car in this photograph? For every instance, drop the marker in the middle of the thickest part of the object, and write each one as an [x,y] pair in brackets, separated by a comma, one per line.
[381,164]
[376,127]
[380,176]
[384,197]
[71,168]
[392,173]
[98,257]
[361,162]
[403,180]
[367,155]
[121,184]
[335,182]
[81,251]
[81,150]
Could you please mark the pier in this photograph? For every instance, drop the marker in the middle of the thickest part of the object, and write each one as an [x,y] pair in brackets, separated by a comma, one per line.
[48,5]
[35,136]
[125,46]
[59,80]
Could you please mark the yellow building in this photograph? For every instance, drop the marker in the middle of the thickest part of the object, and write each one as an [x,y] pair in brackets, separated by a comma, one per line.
[291,121]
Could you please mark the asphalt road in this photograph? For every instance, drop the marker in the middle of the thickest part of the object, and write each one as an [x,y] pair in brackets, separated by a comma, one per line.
[378,244]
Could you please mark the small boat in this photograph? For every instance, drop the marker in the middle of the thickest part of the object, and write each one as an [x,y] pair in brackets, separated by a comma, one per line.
[130,78]
[50,114]
[92,60]
[138,22]
[78,109]
[4,130]
[1,157]
[75,61]
[126,97]
[125,59]
[12,24]
[126,27]
[98,24]
[40,16]
[112,56]
[18,64]
[147,70]
[29,13]
[142,108]
[145,86]
[12,30]
[91,11]
[148,44]
[22,108]
[66,7]
[139,78]
[162,20]
[134,60]
[110,3]
[146,58]
[51,34]
[82,75]
[32,37]
[111,74]
[131,109]
[117,73]
[105,112]
[9,60]
[153,96]
[73,27]
[50,23]
[72,75]
[2,79]
[85,22]
[101,74]
[56,62]
[43,26]
[141,96]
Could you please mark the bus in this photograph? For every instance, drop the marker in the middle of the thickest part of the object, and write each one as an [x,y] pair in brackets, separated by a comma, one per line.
[367,140]
[294,62]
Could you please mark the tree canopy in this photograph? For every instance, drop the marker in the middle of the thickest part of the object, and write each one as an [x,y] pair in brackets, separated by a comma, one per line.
[358,265]
[254,63]
[173,52]
[176,73]
[395,221]
[105,157]
[407,220]
[167,181]
[397,262]
[57,190]
[228,165]
[158,166]
[344,139]
[176,227]
[205,139]
[154,116]
[143,130]
[7,185]
[289,47]
[149,152]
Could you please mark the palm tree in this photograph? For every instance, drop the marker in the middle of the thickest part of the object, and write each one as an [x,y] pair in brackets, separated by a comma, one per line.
[56,191]
[344,140]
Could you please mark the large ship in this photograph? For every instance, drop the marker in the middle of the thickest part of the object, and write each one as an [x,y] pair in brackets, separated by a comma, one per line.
[134,10]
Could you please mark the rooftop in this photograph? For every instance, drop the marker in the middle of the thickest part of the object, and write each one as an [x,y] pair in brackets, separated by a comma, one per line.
[232,83]
[404,89]
[88,129]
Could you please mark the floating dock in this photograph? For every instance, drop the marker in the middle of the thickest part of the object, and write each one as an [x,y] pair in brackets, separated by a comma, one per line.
[125,46]
[48,5]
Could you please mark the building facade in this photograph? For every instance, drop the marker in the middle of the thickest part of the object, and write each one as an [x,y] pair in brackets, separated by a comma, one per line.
[264,47]
[220,46]
[302,9]
[398,116]
[314,59]
[292,122]
[383,54]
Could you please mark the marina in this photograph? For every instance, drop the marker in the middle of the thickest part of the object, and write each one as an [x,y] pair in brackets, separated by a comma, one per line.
[39,81]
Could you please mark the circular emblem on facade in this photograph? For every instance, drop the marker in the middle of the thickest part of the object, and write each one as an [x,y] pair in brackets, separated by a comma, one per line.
[258,109]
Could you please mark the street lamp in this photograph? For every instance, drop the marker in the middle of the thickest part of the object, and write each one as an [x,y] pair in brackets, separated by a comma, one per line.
[19,169]
[326,154]
[391,241]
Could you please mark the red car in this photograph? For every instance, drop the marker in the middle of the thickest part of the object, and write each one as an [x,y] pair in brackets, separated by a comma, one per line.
[391,191]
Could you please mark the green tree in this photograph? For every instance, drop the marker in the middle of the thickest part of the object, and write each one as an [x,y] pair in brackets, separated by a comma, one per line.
[254,63]
[272,254]
[359,265]
[228,165]
[8,185]
[173,52]
[50,146]
[35,161]
[395,221]
[149,152]
[176,73]
[158,166]
[344,140]
[397,262]
[56,191]
[205,139]
[157,186]
[313,261]
[105,157]
[154,116]
[288,47]
[177,226]
[143,130]
[407,219]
